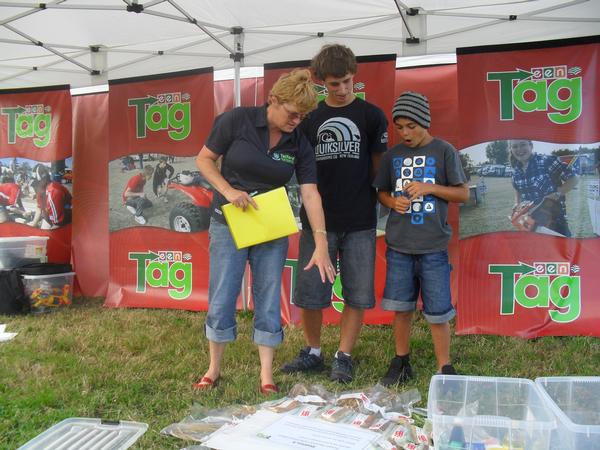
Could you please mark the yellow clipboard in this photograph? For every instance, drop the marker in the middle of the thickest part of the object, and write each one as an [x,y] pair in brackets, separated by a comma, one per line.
[273,219]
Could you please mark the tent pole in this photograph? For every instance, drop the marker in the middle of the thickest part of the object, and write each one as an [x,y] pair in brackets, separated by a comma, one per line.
[238,56]
[237,97]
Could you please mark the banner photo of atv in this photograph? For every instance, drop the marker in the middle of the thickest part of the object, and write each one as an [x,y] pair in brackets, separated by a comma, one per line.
[194,214]
[159,205]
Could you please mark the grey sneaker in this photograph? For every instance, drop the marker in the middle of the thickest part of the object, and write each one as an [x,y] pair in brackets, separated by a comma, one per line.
[399,371]
[341,368]
[140,219]
[304,362]
[131,209]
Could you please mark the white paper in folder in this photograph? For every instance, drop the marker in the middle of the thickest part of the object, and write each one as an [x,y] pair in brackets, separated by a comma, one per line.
[267,430]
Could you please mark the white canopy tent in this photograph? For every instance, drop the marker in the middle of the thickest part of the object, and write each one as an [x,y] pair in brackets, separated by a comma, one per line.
[87,42]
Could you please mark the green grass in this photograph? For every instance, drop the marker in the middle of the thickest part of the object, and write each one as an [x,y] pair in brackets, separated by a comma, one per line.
[138,364]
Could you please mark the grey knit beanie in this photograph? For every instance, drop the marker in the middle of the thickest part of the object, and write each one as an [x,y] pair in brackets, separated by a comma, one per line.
[413,106]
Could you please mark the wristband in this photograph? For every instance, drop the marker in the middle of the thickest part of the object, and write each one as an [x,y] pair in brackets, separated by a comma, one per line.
[320,231]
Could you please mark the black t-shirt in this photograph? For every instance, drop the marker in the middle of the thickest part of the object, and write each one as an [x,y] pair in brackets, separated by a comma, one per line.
[344,139]
[241,135]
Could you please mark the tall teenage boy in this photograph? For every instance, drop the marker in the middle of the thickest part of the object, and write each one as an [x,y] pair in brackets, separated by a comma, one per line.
[349,136]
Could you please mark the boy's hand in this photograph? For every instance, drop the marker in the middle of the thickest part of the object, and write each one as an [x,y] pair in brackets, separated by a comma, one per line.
[418,189]
[401,204]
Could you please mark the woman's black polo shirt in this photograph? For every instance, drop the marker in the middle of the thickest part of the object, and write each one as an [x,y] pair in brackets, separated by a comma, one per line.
[241,136]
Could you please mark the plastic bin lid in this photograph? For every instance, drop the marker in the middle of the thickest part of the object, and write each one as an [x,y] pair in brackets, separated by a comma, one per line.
[53,275]
[22,238]
[44,268]
[573,424]
[78,433]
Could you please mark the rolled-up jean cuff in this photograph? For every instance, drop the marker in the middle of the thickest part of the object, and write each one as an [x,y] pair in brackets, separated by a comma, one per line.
[227,335]
[395,305]
[441,318]
[261,337]
[361,305]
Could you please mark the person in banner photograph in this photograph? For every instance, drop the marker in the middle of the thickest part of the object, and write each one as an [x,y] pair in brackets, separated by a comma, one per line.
[54,201]
[11,206]
[134,198]
[541,183]
[261,149]
[160,182]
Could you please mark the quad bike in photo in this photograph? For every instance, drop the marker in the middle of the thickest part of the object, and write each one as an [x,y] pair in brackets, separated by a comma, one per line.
[193,215]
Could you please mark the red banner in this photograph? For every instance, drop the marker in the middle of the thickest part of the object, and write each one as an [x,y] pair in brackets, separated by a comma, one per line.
[36,165]
[251,94]
[90,194]
[544,92]
[374,81]
[529,246]
[159,204]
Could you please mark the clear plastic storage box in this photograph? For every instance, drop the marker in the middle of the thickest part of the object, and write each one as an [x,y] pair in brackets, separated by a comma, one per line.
[575,402]
[48,292]
[17,251]
[485,413]
[92,434]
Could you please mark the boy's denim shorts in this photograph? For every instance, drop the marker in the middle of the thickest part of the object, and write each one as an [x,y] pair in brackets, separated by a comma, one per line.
[409,274]
[356,250]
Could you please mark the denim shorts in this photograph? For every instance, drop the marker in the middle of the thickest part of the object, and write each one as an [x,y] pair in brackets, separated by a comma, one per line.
[227,266]
[427,273]
[356,253]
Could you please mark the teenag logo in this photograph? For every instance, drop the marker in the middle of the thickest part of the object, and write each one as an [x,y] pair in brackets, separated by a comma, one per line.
[538,286]
[29,121]
[555,90]
[168,111]
[164,269]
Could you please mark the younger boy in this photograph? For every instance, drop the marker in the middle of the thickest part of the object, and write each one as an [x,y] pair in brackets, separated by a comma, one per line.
[416,180]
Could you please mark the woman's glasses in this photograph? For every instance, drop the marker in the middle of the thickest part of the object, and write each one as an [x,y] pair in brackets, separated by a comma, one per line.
[293,115]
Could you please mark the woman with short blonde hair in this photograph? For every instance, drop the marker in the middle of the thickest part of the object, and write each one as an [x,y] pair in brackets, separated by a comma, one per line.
[261,149]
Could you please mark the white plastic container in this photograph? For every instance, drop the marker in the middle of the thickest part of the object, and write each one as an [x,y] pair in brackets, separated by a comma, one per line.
[79,433]
[575,402]
[17,251]
[477,413]
[47,293]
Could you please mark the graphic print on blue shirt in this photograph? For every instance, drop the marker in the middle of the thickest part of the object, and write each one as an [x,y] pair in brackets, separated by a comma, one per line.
[421,169]
[338,138]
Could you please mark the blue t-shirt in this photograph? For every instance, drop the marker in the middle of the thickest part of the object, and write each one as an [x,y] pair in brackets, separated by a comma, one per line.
[424,227]
[241,136]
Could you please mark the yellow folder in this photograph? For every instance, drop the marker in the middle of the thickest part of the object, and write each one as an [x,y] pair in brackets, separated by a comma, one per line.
[272,220]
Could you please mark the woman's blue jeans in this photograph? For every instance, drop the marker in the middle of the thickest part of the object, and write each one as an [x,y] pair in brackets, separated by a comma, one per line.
[227,266]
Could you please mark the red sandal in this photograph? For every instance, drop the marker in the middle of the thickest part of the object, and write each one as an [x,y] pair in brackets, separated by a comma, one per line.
[269,389]
[205,384]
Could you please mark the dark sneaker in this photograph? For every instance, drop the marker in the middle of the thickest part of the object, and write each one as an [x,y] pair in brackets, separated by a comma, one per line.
[399,371]
[304,362]
[447,369]
[341,368]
